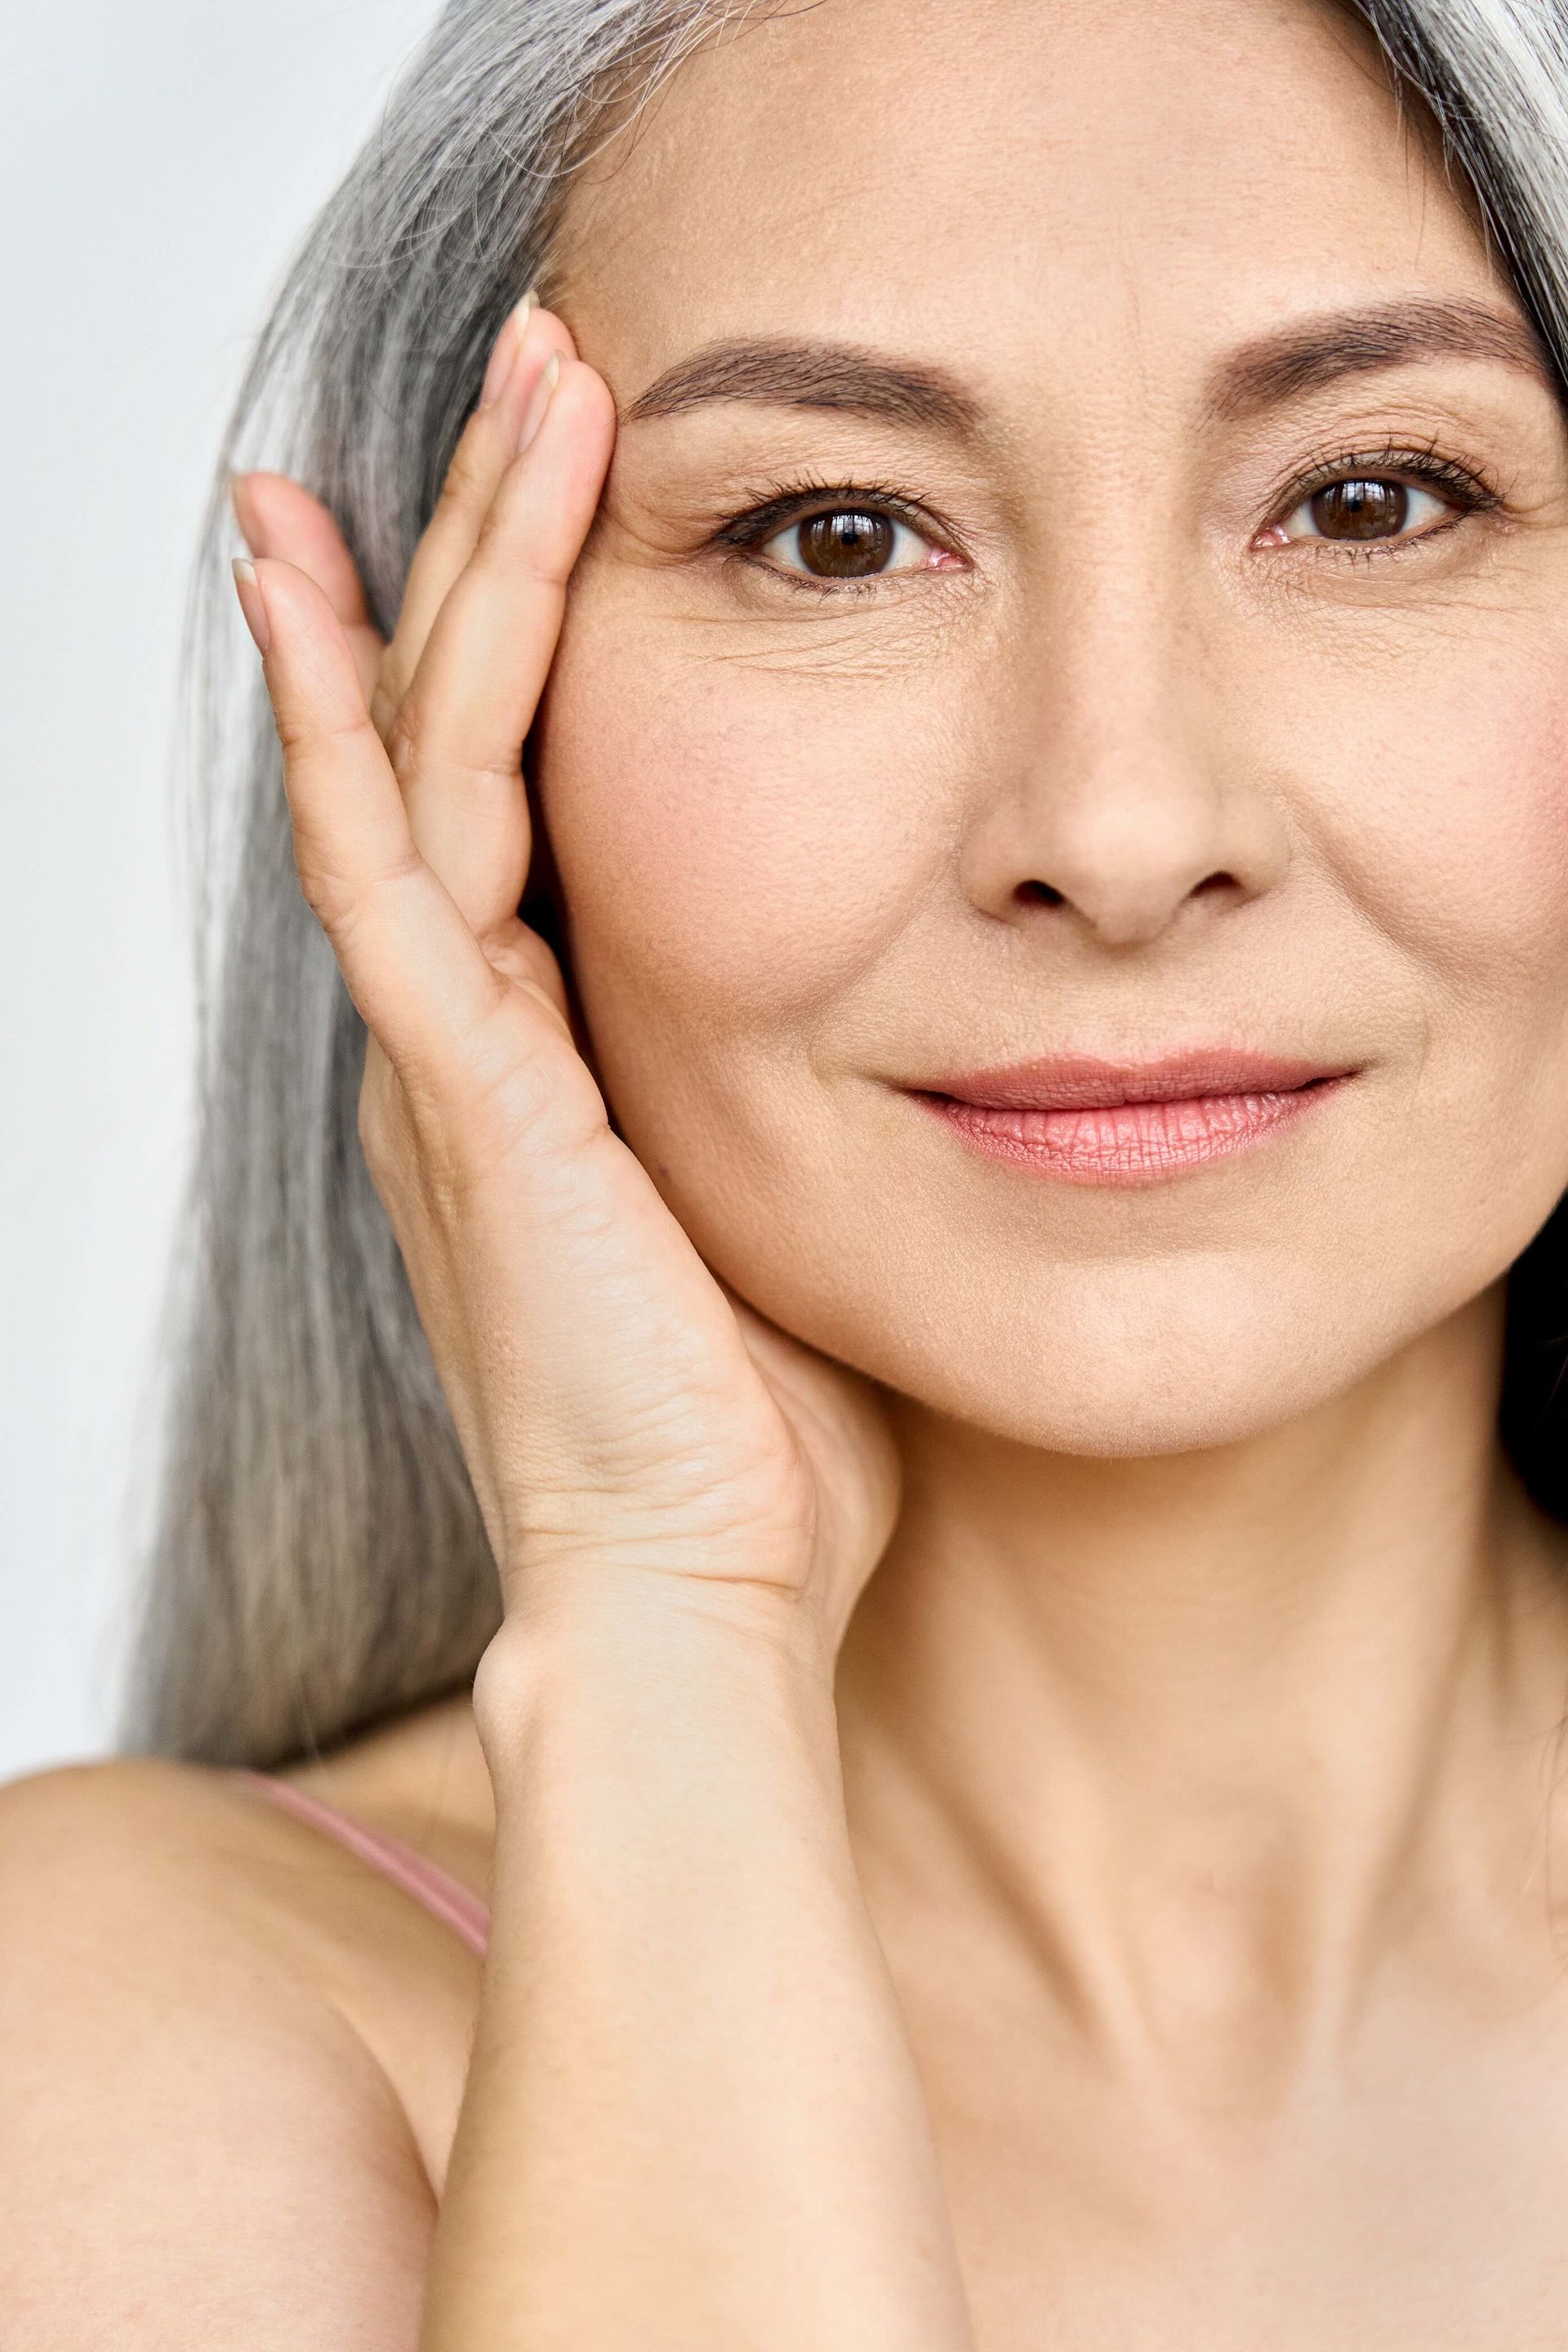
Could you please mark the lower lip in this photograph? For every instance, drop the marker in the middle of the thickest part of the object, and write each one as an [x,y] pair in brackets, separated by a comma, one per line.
[1132,1143]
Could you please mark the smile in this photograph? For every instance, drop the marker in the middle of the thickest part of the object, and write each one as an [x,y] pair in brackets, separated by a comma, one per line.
[1086,1122]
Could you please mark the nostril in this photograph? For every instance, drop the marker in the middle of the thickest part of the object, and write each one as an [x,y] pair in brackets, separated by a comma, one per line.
[1039,893]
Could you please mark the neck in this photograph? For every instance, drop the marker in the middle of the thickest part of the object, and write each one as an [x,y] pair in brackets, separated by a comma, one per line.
[1201,1729]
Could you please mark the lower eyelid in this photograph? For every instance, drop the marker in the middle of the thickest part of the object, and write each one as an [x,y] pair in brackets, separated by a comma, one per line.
[812,583]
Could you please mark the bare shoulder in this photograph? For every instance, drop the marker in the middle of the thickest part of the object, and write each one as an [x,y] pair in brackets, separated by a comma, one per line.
[128,1874]
[137,1828]
[201,2145]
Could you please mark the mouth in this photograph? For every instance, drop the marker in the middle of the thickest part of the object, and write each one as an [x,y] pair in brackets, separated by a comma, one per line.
[1087,1121]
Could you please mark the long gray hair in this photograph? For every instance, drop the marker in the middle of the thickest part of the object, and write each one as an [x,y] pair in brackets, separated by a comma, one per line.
[320,1562]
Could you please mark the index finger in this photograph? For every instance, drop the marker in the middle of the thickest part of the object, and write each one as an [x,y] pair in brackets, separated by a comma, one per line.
[457,742]
[488,445]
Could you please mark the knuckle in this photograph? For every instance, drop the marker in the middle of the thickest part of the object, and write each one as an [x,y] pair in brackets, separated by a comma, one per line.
[538,1094]
[472,1118]
[485,788]
[528,961]
[339,900]
[403,739]
[509,549]
[309,736]
[327,895]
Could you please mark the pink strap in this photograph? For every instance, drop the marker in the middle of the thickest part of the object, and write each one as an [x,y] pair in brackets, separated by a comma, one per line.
[439,1893]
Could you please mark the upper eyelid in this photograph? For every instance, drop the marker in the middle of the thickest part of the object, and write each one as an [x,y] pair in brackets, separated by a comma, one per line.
[749,531]
[766,518]
[746,533]
[1426,463]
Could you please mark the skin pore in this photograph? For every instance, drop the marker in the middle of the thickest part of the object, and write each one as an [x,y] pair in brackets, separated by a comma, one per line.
[1199,1723]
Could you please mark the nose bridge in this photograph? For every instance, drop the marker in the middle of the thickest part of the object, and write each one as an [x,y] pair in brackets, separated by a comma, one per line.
[1116,800]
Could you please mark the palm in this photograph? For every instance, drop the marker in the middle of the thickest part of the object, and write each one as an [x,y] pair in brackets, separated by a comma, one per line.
[745,1443]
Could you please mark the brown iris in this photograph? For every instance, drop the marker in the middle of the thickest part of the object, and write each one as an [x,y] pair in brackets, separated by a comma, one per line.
[1365,509]
[846,544]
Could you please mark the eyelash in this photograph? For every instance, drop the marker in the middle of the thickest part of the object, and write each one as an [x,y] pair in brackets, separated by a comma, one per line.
[1461,485]
[780,504]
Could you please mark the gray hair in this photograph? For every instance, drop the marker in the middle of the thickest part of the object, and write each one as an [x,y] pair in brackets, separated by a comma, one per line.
[318,1561]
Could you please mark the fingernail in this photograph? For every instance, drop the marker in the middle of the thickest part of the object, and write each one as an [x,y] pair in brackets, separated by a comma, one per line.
[534,415]
[252,602]
[509,343]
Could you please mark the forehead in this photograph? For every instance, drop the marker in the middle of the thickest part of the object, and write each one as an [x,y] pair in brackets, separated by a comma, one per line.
[972,173]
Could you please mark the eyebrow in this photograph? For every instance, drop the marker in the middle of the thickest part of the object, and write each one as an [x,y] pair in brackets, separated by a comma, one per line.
[782,371]
[1322,350]
[795,375]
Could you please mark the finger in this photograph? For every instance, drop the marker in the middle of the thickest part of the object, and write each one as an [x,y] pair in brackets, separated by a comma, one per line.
[488,443]
[458,741]
[279,517]
[413,967]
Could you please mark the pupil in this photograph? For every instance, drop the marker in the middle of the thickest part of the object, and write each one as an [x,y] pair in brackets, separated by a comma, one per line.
[1362,509]
[845,545]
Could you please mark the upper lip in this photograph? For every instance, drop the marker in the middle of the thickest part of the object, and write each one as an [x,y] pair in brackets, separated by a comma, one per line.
[1081,1082]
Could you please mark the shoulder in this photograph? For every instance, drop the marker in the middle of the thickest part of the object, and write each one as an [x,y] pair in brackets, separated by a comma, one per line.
[201,2145]
[134,1819]
[180,1860]
[145,1861]
[177,1870]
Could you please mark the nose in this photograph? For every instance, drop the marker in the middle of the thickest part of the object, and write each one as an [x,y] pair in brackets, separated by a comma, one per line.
[1115,796]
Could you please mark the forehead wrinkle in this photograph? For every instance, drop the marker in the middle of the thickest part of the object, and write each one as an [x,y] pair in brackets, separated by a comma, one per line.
[784,371]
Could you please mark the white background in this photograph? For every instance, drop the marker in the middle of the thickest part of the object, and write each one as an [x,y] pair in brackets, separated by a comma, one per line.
[159,160]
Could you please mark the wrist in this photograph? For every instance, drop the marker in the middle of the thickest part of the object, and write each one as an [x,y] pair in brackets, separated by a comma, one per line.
[704,1649]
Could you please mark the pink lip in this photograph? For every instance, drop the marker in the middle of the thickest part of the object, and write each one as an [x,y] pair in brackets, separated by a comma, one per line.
[1094,1122]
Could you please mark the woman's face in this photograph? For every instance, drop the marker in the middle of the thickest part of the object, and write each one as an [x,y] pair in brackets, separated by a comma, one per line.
[1112,733]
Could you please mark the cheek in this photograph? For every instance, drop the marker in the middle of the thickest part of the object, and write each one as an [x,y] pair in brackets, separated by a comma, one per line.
[736,838]
[1439,808]
[1432,788]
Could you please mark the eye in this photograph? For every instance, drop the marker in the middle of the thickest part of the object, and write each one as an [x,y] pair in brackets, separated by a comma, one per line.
[1364,507]
[850,543]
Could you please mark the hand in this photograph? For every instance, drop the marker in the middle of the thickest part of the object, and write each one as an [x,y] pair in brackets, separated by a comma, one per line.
[623,1415]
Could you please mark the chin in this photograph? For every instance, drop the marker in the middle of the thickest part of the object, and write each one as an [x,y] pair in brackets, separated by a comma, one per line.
[1127,1361]
[1130,1411]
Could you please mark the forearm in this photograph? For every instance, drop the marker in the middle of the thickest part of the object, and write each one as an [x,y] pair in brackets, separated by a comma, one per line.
[693,2123]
